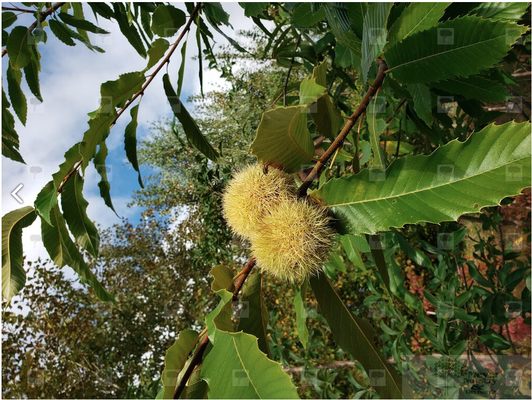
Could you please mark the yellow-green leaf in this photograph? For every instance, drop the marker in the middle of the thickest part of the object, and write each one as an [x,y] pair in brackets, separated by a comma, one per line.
[283,138]
[457,178]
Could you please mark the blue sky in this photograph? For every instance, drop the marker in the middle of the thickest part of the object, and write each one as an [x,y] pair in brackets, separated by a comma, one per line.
[70,79]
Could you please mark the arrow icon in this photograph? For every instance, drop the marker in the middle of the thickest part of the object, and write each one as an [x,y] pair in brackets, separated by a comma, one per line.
[14,193]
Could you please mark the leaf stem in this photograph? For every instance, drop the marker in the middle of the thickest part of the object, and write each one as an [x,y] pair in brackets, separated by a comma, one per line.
[320,164]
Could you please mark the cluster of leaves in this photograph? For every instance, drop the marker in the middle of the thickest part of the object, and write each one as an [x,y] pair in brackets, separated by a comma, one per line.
[439,303]
[443,64]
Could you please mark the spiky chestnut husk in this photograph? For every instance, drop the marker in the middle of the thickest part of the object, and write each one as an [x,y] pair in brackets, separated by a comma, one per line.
[293,241]
[250,194]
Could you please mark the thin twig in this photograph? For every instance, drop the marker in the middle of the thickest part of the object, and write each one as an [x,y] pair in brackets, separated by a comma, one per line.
[152,76]
[242,276]
[41,18]
[287,79]
[345,130]
[389,119]
[74,169]
[24,10]
[397,148]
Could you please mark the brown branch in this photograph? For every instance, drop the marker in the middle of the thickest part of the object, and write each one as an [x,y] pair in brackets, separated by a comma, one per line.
[244,273]
[198,354]
[23,10]
[75,169]
[196,360]
[41,18]
[242,276]
[320,164]
[162,63]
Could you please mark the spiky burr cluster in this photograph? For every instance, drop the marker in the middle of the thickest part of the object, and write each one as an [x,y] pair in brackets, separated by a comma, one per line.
[290,237]
[250,194]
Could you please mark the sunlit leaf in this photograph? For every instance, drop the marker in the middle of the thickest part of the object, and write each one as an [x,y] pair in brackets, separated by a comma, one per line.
[222,278]
[46,200]
[283,137]
[374,35]
[156,51]
[220,318]
[247,373]
[509,11]
[416,17]
[438,53]
[301,317]
[457,178]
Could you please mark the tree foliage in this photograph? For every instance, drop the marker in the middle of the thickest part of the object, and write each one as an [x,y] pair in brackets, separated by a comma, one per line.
[380,109]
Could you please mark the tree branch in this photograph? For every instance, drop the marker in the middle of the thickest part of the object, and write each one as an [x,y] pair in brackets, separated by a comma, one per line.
[320,164]
[152,76]
[42,17]
[162,63]
[22,10]
[244,273]
[198,354]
